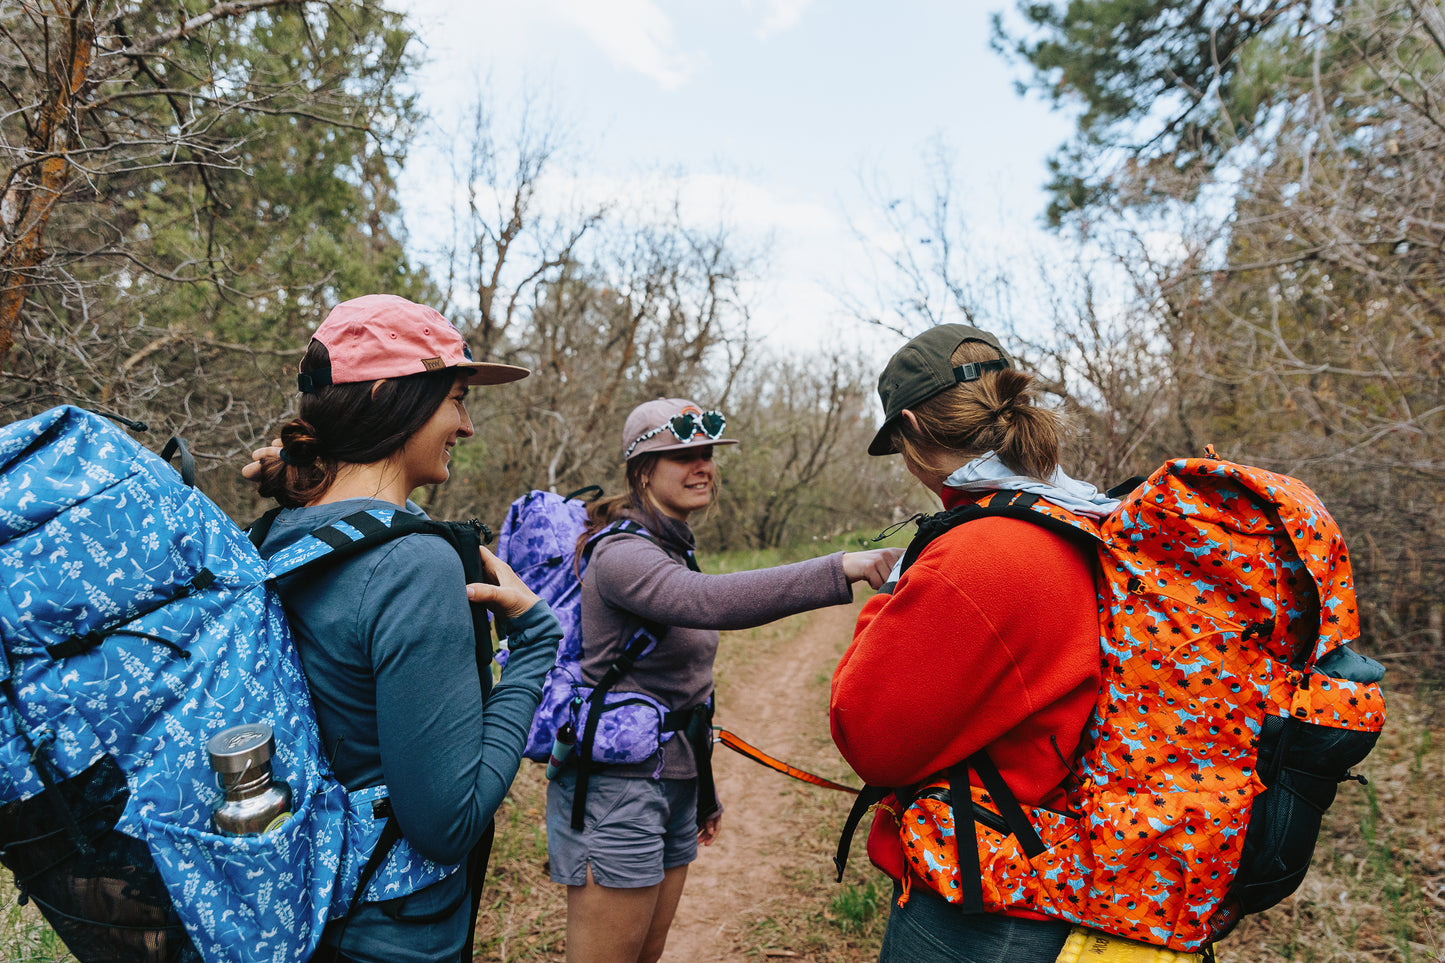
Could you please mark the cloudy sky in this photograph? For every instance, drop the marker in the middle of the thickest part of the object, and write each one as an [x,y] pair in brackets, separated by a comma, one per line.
[771,112]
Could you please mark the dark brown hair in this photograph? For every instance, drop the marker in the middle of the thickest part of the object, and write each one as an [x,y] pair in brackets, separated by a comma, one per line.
[994,413]
[348,424]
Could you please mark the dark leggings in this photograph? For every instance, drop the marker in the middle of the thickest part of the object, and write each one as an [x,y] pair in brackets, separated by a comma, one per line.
[928,928]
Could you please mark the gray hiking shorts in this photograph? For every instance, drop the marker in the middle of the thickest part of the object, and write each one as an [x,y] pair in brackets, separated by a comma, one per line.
[633,830]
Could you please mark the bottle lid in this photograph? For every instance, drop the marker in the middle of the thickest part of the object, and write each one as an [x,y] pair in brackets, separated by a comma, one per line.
[241,747]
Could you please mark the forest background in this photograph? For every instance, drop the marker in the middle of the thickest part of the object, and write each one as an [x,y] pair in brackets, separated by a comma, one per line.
[1251,202]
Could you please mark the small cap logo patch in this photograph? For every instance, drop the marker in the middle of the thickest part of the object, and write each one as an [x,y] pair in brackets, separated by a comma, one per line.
[432,364]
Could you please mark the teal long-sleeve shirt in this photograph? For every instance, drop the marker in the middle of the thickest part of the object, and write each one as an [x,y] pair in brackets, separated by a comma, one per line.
[387,645]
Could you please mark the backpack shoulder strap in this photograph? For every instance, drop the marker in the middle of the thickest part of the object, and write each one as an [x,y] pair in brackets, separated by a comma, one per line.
[364,530]
[648,631]
[357,533]
[261,527]
[1021,505]
[642,639]
[628,527]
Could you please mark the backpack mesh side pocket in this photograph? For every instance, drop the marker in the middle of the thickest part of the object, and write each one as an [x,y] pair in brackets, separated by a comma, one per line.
[104,897]
[1301,765]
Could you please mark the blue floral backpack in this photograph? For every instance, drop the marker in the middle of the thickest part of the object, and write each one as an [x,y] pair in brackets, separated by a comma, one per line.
[137,621]
[539,540]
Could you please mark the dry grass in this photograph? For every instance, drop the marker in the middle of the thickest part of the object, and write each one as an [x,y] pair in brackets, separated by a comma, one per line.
[25,937]
[523,914]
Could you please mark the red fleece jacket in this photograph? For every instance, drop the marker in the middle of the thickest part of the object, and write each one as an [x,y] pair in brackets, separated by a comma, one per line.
[989,640]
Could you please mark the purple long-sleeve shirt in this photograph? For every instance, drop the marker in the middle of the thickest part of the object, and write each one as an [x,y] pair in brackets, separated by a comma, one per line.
[631,578]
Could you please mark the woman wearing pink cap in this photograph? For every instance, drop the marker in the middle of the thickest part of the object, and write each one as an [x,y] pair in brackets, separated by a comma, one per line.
[623,852]
[386,636]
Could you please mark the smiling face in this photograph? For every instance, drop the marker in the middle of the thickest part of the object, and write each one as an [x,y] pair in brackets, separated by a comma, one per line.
[681,482]
[427,454]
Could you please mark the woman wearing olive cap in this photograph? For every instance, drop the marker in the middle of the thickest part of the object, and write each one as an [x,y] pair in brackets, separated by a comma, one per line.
[641,824]
[989,641]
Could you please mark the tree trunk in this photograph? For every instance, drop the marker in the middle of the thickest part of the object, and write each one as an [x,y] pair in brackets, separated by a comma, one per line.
[29,202]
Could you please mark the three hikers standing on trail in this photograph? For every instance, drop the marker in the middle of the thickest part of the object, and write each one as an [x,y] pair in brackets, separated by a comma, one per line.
[986,645]
[1128,715]
[379,418]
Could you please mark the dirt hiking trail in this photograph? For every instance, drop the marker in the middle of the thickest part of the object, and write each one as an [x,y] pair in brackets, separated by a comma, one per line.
[779,703]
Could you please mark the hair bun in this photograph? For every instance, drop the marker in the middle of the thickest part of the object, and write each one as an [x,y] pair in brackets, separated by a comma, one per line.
[299,445]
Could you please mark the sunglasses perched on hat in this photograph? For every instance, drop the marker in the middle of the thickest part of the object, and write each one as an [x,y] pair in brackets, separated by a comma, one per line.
[685,426]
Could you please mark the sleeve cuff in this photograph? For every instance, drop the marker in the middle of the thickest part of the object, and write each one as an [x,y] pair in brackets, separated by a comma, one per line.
[533,625]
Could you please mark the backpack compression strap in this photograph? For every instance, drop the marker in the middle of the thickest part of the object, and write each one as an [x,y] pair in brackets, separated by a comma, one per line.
[84,642]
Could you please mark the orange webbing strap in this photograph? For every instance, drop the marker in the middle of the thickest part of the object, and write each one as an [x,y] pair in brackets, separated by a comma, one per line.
[757,755]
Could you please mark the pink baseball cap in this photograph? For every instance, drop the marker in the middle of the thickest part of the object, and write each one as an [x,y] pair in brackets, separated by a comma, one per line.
[385,336]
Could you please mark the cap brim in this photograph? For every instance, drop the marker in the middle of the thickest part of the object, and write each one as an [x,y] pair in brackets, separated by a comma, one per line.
[489,373]
[679,445]
[882,443]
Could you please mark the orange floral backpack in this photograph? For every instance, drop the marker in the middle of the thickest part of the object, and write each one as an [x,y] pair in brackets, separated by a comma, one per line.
[1231,708]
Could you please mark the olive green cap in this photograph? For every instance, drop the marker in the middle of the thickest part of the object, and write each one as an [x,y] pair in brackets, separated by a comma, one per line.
[922,368]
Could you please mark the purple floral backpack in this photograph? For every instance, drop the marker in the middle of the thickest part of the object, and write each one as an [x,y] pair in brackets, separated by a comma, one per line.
[539,541]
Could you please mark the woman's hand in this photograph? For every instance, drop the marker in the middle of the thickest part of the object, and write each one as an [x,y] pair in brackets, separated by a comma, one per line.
[871,566]
[252,471]
[709,830]
[502,592]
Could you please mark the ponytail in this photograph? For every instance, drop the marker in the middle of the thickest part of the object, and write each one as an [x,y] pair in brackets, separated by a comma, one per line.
[300,475]
[995,413]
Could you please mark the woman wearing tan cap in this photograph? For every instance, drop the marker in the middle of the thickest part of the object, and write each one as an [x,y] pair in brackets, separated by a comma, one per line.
[624,849]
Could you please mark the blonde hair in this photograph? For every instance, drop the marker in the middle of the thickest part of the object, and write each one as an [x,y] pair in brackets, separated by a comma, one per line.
[994,413]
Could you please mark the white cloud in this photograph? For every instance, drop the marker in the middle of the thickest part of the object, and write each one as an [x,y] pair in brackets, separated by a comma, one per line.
[635,34]
[777,15]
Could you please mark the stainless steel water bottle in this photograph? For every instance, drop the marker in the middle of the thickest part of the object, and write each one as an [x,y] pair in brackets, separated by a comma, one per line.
[254,802]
